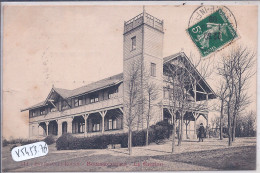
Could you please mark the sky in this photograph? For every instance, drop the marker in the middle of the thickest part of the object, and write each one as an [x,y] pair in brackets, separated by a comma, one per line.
[71,46]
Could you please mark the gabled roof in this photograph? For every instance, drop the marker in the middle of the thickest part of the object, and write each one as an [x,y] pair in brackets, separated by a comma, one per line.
[202,82]
[92,87]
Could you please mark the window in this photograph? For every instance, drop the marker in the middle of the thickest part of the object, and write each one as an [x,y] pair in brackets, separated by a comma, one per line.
[94,98]
[76,102]
[80,101]
[42,111]
[153,69]
[133,39]
[111,124]
[33,113]
[96,127]
[114,124]
[113,93]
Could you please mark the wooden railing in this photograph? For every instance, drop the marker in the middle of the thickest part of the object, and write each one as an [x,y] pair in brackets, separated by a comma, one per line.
[143,18]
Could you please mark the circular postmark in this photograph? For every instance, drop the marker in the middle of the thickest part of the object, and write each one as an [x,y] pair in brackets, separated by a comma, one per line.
[212,28]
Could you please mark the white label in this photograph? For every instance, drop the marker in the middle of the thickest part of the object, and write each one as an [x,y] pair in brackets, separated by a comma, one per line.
[29,151]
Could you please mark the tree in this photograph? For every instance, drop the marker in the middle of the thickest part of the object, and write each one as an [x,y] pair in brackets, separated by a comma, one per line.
[236,69]
[222,94]
[133,98]
[150,98]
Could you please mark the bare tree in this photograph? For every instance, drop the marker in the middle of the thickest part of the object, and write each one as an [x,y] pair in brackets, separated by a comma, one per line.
[151,92]
[222,94]
[236,69]
[133,99]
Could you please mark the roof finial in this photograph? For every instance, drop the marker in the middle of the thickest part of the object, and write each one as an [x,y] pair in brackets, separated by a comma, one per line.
[143,8]
[52,85]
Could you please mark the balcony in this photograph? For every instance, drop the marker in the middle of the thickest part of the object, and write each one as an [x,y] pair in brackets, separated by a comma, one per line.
[89,108]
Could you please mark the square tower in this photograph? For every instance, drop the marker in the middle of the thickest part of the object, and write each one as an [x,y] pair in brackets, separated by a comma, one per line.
[143,52]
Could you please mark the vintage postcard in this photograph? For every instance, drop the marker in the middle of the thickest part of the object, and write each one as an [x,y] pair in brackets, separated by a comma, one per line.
[121,88]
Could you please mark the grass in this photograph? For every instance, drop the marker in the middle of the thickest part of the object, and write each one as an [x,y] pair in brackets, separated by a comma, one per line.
[232,158]
[235,158]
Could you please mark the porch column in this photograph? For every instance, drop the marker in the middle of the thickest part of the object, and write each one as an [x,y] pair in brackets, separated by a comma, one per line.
[86,124]
[195,116]
[38,130]
[47,128]
[69,124]
[103,113]
[122,110]
[59,122]
[189,131]
[207,125]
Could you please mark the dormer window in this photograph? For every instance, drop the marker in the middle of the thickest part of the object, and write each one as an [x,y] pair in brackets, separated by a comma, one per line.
[133,40]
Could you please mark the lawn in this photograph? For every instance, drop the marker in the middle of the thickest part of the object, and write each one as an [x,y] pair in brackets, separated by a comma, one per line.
[236,158]
[210,155]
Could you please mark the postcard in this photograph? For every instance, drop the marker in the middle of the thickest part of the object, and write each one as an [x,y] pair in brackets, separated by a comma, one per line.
[119,87]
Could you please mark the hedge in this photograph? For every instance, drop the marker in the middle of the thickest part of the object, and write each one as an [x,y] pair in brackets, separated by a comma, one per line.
[160,131]
[19,141]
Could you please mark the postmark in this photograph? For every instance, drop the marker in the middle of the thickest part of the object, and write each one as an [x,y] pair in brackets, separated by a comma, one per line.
[211,29]
[29,151]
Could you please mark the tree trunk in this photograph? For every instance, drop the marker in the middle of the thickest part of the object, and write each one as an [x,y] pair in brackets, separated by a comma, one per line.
[147,133]
[221,117]
[234,128]
[229,130]
[173,133]
[221,129]
[130,141]
[180,130]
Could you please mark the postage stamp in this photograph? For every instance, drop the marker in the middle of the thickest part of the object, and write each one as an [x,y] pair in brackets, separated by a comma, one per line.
[212,32]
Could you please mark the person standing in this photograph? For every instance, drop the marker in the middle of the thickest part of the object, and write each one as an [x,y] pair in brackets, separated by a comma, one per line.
[201,132]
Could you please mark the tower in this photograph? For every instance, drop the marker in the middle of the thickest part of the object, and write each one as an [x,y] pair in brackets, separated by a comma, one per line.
[143,49]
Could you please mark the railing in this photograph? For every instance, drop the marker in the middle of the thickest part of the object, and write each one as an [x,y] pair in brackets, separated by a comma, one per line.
[89,108]
[143,18]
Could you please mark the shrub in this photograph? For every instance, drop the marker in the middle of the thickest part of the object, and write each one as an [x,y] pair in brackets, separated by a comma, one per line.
[64,141]
[5,142]
[49,140]
[158,132]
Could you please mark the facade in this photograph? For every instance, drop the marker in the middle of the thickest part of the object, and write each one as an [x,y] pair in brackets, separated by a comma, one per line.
[100,107]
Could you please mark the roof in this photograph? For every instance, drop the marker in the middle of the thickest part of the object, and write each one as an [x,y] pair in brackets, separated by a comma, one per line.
[113,80]
[64,93]
[202,82]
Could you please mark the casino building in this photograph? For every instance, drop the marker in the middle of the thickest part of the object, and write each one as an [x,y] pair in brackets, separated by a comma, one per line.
[100,107]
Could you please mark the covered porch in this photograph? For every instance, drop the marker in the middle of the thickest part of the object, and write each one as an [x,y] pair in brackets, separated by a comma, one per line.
[191,122]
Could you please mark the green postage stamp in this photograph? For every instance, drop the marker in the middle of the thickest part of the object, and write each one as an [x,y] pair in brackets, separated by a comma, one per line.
[212,33]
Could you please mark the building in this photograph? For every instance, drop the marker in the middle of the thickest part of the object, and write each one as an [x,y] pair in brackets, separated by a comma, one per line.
[100,107]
